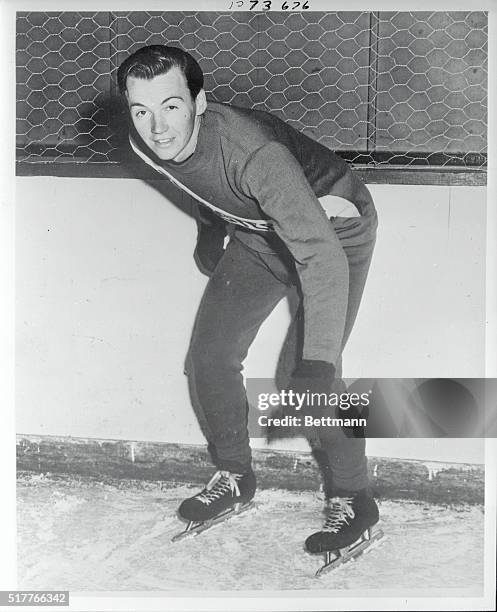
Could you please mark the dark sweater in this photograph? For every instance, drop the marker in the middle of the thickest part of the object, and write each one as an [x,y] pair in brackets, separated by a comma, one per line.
[264,177]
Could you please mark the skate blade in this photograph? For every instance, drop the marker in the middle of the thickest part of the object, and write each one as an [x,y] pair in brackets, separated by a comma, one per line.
[335,559]
[194,529]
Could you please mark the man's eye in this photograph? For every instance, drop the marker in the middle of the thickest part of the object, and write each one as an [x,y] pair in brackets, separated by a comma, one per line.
[171,107]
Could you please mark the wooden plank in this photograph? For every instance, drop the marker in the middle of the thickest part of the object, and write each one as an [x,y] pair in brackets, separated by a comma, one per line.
[156,461]
[392,175]
[86,170]
[422,176]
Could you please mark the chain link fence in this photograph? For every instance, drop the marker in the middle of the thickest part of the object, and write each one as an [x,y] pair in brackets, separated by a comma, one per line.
[382,89]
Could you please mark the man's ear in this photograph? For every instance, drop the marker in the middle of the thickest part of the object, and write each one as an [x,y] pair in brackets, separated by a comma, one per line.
[200,103]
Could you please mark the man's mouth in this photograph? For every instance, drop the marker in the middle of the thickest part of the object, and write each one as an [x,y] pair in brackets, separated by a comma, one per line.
[163,142]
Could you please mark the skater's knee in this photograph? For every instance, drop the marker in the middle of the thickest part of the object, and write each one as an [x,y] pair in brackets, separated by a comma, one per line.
[209,359]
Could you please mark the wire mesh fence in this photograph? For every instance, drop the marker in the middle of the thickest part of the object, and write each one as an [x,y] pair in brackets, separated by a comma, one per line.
[403,88]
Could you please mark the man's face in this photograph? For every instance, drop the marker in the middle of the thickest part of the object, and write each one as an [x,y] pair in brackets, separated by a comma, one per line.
[164,114]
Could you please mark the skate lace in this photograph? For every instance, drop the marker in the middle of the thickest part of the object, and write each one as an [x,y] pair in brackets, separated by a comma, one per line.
[218,485]
[340,512]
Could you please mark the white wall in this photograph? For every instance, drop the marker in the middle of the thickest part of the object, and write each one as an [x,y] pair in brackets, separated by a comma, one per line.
[107,291]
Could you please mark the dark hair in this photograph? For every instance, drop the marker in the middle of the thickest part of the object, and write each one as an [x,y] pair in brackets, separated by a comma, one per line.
[151,61]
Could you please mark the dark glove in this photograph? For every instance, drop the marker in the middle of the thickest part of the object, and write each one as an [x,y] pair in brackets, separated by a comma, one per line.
[309,377]
[313,376]
[210,246]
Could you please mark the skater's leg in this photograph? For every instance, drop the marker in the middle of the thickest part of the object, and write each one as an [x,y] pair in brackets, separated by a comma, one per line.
[351,509]
[346,453]
[238,298]
[292,348]
[342,459]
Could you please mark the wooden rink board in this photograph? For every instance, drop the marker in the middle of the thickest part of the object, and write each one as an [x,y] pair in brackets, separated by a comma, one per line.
[111,460]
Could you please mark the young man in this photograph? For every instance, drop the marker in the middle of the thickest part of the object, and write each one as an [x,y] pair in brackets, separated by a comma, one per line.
[265,183]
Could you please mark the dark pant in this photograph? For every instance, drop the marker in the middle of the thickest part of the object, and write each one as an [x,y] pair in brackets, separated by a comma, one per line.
[242,292]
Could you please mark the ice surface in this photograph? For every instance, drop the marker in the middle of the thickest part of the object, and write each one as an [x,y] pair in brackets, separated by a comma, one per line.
[84,535]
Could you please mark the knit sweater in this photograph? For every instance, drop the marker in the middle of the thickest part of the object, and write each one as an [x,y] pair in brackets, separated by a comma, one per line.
[263,177]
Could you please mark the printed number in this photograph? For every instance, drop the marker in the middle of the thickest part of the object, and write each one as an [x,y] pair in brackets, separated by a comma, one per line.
[266,5]
[286,6]
[293,6]
[37,598]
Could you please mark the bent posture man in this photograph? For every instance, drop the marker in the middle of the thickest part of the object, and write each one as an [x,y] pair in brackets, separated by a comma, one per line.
[267,184]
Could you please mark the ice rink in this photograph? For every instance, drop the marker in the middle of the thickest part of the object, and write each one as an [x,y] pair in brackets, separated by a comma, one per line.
[85,535]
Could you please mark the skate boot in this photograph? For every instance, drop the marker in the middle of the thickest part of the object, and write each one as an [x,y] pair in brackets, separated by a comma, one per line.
[226,494]
[347,531]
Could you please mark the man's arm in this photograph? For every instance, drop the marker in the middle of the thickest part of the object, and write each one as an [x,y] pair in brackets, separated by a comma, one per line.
[275,179]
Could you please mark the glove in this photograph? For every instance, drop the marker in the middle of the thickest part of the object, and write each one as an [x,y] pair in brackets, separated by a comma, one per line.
[309,377]
[210,246]
[313,376]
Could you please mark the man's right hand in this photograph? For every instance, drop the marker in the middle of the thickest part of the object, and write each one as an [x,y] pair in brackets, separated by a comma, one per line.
[210,246]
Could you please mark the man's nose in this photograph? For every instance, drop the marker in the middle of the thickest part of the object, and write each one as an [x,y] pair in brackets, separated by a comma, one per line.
[159,124]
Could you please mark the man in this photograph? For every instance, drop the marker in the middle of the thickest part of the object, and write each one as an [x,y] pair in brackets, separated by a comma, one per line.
[262,180]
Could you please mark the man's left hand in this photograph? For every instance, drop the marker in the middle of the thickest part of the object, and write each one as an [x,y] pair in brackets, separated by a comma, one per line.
[310,377]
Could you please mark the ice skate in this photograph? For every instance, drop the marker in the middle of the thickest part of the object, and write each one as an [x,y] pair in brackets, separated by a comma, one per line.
[226,494]
[348,530]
